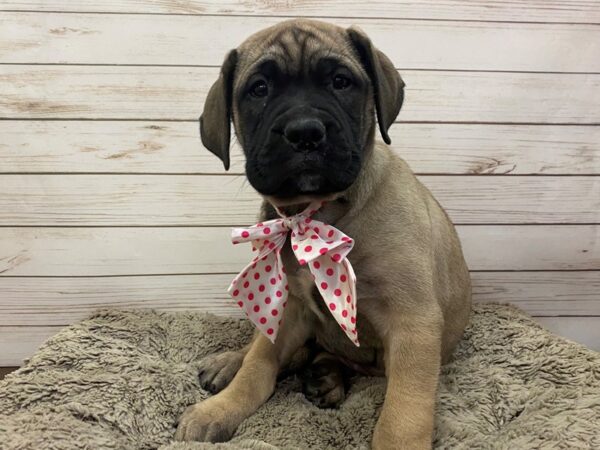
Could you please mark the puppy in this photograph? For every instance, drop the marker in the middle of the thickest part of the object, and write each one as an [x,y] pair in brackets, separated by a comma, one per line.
[304,97]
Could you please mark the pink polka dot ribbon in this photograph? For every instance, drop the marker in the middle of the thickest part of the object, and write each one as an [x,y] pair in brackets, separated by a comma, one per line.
[261,289]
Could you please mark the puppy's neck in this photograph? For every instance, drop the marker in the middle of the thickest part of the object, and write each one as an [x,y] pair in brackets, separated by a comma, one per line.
[330,212]
[376,164]
[291,210]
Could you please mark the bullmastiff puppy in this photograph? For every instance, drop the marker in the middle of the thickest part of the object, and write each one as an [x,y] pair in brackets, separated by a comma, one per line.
[305,98]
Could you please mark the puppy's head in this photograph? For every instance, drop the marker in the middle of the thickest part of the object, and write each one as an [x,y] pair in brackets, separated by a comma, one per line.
[303,96]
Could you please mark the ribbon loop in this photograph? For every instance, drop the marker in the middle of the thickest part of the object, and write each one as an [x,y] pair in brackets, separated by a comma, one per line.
[260,231]
[261,289]
[319,240]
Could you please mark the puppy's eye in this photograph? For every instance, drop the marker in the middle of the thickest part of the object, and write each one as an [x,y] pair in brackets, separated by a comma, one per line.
[341,82]
[259,89]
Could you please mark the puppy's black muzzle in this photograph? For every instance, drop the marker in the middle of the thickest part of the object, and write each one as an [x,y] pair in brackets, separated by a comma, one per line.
[306,150]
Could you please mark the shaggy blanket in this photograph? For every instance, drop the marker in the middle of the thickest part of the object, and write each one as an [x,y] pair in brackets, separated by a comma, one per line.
[120,379]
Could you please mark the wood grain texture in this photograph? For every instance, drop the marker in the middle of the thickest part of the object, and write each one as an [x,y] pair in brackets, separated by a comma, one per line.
[539,247]
[60,301]
[493,87]
[174,147]
[182,40]
[145,200]
[575,11]
[17,343]
[177,93]
[119,251]
[585,330]
[541,293]
[172,250]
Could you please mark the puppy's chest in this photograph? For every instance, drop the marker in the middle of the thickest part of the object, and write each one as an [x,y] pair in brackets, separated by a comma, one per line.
[327,331]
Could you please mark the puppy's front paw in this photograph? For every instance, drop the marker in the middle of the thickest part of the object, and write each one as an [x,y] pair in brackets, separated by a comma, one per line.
[217,370]
[207,421]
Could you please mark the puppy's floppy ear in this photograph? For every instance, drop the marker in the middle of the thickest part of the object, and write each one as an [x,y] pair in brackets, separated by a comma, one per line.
[216,117]
[387,84]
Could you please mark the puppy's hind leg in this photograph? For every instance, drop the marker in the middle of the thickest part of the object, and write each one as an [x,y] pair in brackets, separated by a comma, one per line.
[324,381]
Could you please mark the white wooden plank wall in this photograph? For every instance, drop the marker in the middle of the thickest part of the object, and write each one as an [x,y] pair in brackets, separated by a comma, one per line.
[108,199]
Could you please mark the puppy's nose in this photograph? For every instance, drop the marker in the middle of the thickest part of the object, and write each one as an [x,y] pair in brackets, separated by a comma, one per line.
[304,133]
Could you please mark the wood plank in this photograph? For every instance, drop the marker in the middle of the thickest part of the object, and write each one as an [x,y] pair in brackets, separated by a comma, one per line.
[126,200]
[498,149]
[540,247]
[576,11]
[550,199]
[172,250]
[540,293]
[60,301]
[144,200]
[174,147]
[17,343]
[118,251]
[177,93]
[118,147]
[585,330]
[182,40]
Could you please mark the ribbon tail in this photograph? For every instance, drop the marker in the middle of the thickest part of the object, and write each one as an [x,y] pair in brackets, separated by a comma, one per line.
[354,299]
[261,289]
[336,283]
[352,276]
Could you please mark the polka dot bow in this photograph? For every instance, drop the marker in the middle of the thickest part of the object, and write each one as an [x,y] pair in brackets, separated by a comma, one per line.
[261,289]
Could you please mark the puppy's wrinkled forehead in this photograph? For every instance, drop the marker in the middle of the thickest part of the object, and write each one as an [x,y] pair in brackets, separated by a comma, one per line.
[296,46]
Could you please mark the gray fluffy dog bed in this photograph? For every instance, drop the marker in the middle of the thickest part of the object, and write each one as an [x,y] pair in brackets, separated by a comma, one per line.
[120,379]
